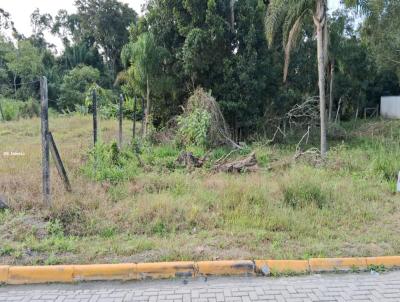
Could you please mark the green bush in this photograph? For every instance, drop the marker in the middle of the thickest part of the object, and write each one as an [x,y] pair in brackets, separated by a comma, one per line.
[14,109]
[10,109]
[75,85]
[107,162]
[194,127]
[30,108]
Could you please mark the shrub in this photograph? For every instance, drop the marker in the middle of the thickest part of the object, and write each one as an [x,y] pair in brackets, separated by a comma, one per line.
[14,109]
[30,108]
[10,110]
[107,162]
[194,127]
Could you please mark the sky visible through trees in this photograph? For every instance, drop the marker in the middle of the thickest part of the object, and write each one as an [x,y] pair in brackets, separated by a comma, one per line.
[21,17]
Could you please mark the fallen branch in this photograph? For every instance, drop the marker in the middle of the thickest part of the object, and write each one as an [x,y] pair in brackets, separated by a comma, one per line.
[224,157]
[306,135]
[248,164]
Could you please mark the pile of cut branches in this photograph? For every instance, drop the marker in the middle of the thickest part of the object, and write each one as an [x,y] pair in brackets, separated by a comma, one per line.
[218,132]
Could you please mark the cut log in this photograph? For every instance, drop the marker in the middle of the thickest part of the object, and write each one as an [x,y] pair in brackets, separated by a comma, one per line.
[248,164]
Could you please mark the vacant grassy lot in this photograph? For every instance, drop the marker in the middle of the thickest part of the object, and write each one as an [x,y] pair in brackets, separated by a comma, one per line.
[128,212]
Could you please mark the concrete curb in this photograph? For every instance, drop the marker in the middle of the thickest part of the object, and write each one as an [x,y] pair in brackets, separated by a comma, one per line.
[160,270]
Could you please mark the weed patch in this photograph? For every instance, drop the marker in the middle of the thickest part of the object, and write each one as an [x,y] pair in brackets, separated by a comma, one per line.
[301,195]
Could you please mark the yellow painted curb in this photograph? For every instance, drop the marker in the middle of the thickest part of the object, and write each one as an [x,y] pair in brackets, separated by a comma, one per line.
[388,261]
[233,267]
[282,266]
[124,271]
[336,264]
[4,273]
[140,271]
[40,274]
[161,270]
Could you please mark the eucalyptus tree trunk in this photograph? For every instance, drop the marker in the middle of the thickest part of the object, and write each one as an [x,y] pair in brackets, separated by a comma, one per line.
[15,85]
[332,76]
[232,6]
[147,110]
[320,23]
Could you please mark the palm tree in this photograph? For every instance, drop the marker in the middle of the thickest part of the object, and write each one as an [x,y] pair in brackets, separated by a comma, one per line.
[143,58]
[288,16]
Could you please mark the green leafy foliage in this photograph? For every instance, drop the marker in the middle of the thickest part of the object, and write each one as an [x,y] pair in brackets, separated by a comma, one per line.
[25,64]
[55,228]
[194,127]
[75,86]
[106,162]
[14,110]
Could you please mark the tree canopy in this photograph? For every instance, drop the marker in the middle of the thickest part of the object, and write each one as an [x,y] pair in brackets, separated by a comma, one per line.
[237,50]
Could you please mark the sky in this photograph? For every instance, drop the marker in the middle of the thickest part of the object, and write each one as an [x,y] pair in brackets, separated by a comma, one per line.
[21,10]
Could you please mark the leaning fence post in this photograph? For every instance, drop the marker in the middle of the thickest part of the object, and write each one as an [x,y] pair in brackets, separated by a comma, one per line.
[59,164]
[121,100]
[94,108]
[45,140]
[134,119]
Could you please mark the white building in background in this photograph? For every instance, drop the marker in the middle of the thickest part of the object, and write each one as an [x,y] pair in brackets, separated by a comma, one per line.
[390,107]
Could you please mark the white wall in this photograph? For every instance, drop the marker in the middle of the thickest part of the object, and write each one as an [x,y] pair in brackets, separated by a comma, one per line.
[390,106]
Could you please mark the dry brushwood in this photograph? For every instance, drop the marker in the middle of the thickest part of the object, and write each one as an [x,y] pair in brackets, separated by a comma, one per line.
[219,133]
[304,114]
[248,164]
[188,160]
[312,155]
[300,116]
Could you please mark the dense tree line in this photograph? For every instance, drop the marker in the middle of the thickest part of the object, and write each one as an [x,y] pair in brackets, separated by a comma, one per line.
[239,50]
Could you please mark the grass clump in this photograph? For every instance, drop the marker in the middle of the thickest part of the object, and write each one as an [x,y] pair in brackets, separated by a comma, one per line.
[304,194]
[107,162]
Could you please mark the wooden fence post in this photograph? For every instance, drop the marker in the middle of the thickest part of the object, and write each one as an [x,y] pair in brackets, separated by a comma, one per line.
[134,119]
[121,101]
[94,108]
[59,164]
[45,141]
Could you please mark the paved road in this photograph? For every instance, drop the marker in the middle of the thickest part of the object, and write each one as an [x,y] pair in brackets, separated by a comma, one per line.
[339,287]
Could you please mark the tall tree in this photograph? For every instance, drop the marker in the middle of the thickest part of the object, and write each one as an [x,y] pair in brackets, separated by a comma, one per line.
[107,21]
[5,20]
[288,16]
[25,63]
[381,33]
[143,58]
